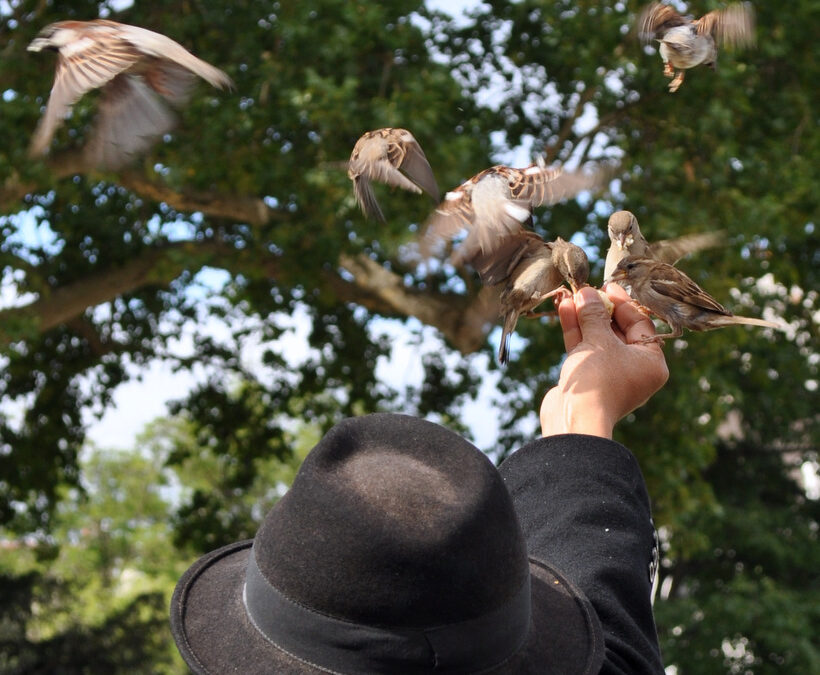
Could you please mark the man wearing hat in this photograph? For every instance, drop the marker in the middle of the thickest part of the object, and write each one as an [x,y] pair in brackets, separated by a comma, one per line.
[400,548]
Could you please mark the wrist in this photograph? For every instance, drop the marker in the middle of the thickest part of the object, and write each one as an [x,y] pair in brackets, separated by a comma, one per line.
[573,414]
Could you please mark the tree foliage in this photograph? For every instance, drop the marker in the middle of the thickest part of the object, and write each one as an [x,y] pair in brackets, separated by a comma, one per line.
[108,270]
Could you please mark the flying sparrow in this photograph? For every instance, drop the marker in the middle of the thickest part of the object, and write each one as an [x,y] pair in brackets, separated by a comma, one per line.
[386,155]
[497,203]
[529,271]
[686,43]
[626,240]
[672,296]
[132,66]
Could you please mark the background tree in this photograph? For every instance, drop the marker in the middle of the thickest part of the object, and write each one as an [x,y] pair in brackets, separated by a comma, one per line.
[107,270]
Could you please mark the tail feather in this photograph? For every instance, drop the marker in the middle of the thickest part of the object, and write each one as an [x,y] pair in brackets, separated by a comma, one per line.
[510,322]
[366,198]
[749,321]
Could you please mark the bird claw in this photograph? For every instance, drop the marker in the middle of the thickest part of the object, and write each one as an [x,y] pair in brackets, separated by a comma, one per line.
[648,339]
[675,84]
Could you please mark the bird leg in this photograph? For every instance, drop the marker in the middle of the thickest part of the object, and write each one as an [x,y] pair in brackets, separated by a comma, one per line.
[561,293]
[668,70]
[660,337]
[675,84]
[538,315]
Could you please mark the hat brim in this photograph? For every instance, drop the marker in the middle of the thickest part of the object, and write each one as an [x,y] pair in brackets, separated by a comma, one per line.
[214,634]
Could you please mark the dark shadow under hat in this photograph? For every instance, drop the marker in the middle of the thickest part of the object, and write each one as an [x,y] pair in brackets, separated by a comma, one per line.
[396,550]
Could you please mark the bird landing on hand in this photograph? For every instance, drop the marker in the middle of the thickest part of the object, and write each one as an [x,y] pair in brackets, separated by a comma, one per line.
[686,42]
[669,294]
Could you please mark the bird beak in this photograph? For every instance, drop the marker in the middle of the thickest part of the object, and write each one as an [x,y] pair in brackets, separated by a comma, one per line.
[617,275]
[620,241]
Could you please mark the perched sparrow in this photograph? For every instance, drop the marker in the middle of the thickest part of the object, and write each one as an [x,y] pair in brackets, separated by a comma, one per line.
[132,65]
[686,43]
[496,204]
[626,240]
[530,270]
[672,296]
[386,155]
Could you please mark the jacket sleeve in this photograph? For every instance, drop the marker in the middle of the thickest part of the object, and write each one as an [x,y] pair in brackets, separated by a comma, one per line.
[584,508]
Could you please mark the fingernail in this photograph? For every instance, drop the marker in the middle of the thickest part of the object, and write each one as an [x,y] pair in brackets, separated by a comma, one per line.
[585,296]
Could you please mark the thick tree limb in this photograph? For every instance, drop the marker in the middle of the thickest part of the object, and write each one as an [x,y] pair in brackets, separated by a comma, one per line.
[155,267]
[462,319]
[239,208]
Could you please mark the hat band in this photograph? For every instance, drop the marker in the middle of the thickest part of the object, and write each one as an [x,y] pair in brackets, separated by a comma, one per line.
[341,646]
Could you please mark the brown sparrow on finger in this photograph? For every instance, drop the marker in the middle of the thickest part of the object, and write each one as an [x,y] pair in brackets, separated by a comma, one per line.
[529,270]
[674,298]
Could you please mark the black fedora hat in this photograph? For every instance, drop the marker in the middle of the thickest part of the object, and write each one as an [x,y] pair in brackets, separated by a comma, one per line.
[396,550]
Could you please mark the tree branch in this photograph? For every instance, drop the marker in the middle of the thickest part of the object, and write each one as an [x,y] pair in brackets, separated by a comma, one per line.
[157,266]
[243,209]
[463,320]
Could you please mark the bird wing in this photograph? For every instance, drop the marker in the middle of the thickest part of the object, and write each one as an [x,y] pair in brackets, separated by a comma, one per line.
[672,250]
[155,44]
[676,285]
[382,170]
[655,19]
[496,267]
[168,79]
[130,119]
[535,184]
[410,158]
[733,26]
[452,215]
[81,66]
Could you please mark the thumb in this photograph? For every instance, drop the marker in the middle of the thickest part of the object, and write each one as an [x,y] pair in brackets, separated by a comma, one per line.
[593,317]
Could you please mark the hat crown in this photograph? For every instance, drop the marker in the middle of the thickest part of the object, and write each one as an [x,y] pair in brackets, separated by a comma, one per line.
[394,521]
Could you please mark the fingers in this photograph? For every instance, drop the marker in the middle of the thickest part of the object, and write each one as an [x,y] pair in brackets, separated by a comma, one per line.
[630,321]
[593,317]
[569,323]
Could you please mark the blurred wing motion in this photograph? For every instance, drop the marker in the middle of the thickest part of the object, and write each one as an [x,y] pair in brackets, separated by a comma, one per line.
[497,203]
[732,27]
[656,19]
[134,67]
[672,250]
[391,156]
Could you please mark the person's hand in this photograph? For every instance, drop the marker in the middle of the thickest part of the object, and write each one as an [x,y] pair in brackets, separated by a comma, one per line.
[608,372]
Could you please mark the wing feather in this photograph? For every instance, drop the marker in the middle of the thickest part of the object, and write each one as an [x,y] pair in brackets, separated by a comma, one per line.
[655,19]
[682,289]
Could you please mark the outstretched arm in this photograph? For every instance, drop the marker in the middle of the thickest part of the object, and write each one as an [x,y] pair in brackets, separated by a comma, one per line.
[580,497]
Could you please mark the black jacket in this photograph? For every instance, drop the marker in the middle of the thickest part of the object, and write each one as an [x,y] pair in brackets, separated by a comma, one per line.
[583,506]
